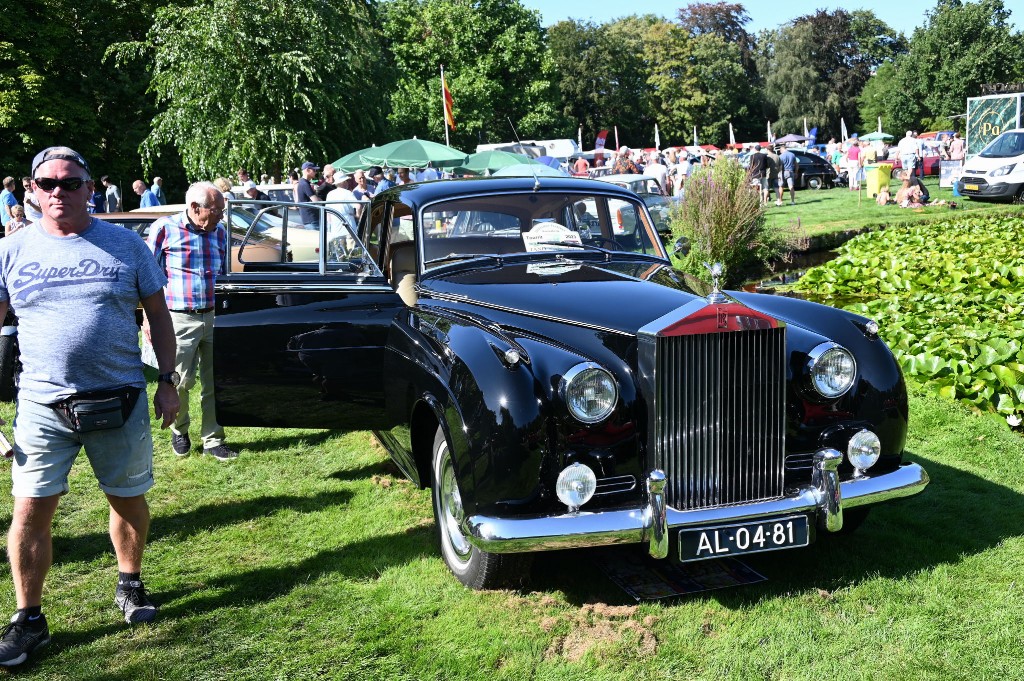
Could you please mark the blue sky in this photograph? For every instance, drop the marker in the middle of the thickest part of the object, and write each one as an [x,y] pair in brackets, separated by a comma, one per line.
[903,15]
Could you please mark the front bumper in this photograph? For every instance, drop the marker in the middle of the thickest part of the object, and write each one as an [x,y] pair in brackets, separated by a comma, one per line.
[824,499]
[985,189]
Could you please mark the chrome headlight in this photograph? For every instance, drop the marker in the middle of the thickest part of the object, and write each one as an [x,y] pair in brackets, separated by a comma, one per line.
[1002,170]
[832,369]
[864,450]
[590,392]
[575,486]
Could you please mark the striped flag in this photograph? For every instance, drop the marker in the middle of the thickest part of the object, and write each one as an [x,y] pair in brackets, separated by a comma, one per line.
[449,117]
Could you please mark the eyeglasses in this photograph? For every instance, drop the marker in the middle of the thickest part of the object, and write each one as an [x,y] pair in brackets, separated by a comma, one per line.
[68,184]
[212,209]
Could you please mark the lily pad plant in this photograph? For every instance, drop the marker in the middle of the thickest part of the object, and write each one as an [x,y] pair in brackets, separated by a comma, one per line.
[948,297]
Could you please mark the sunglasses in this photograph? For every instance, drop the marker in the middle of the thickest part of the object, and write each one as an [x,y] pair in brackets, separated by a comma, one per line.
[68,184]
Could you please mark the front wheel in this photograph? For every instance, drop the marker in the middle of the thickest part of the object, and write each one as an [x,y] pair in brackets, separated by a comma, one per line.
[814,182]
[475,568]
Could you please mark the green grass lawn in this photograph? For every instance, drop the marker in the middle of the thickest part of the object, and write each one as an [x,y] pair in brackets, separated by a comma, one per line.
[825,211]
[309,557]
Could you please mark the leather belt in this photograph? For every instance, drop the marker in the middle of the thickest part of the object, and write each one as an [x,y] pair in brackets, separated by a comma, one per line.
[198,310]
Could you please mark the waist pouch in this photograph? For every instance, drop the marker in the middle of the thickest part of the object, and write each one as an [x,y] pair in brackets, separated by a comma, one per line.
[97,409]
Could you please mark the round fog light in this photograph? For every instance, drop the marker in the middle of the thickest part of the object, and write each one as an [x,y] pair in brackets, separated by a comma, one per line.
[575,486]
[864,450]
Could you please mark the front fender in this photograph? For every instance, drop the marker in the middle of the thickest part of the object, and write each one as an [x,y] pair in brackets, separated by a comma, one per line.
[499,414]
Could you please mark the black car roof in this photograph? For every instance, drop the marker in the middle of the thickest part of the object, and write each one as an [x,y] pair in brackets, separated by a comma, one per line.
[422,193]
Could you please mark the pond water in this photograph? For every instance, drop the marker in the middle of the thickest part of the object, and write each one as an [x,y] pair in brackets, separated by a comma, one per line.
[787,273]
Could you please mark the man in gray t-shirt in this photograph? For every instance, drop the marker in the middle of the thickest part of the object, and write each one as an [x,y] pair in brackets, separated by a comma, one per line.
[74,283]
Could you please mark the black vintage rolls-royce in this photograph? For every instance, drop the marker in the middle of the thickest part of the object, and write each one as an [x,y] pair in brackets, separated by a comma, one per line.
[523,347]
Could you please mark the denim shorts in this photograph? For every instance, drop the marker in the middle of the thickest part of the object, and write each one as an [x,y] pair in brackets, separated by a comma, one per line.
[45,447]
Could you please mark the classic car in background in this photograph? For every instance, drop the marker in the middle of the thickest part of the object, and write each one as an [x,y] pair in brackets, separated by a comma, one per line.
[647,188]
[813,172]
[540,365]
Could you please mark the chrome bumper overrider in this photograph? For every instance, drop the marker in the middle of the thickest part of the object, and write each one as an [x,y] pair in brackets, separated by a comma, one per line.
[825,499]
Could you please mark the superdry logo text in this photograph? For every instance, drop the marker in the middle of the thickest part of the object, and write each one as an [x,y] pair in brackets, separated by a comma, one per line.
[33,276]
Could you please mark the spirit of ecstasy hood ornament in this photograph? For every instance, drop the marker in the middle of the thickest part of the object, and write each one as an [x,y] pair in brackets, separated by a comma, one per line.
[716,270]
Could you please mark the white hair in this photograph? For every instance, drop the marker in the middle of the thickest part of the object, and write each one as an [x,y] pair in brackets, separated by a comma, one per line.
[200,193]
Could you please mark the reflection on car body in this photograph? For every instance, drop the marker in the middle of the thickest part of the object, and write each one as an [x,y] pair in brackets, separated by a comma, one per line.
[539,364]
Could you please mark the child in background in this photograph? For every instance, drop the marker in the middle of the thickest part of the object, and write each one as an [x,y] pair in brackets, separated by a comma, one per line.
[883,197]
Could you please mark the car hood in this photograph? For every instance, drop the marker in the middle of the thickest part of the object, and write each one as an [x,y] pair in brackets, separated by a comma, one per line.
[622,295]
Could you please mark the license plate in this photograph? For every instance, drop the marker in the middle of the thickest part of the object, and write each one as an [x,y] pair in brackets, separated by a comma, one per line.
[729,540]
[971,187]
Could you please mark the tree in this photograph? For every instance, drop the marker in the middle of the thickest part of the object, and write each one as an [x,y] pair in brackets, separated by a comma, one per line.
[492,52]
[572,50]
[56,89]
[696,81]
[626,100]
[726,20]
[850,48]
[961,46]
[818,65]
[601,73]
[263,84]
[793,83]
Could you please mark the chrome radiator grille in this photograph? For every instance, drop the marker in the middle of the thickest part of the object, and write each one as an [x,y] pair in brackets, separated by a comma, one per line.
[719,430]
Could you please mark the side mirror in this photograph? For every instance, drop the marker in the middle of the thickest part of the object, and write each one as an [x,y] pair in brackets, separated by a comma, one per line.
[681,246]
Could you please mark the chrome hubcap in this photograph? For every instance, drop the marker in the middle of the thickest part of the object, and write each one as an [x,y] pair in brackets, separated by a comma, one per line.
[451,508]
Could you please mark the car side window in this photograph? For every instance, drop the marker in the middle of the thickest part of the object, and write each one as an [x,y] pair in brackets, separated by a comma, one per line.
[272,239]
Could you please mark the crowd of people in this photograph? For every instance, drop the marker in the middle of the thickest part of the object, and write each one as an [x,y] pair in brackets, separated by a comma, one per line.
[773,168]
[19,207]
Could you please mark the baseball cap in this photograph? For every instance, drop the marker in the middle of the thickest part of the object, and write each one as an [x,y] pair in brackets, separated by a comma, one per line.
[59,153]
[339,178]
[309,164]
[249,184]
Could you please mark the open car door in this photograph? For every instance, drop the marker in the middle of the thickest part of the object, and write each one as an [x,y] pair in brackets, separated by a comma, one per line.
[300,333]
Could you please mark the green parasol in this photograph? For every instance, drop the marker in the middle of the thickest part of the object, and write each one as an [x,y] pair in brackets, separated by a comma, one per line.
[413,153]
[485,162]
[353,161]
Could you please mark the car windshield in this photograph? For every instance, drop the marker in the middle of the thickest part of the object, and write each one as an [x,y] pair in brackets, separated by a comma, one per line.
[1007,145]
[536,222]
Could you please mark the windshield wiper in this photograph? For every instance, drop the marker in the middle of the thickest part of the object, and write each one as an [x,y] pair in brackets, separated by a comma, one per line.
[463,256]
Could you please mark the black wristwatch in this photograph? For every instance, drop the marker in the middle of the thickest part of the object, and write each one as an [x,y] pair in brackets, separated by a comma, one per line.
[172,377]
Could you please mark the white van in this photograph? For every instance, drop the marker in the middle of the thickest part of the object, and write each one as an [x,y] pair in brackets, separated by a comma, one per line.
[998,171]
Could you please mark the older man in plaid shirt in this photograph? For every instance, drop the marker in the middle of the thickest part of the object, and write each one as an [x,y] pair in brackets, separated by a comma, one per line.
[192,249]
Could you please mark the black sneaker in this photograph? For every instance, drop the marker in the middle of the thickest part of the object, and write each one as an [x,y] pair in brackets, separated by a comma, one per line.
[181,444]
[21,637]
[221,453]
[131,598]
